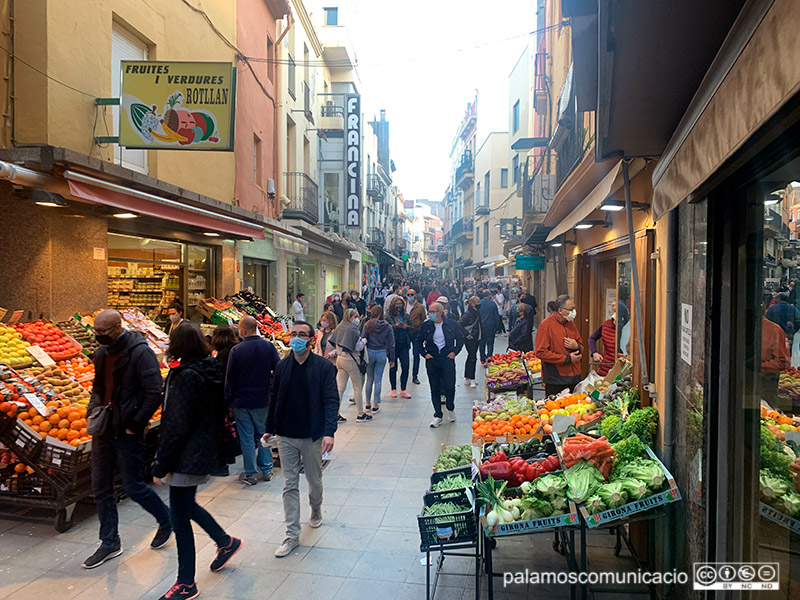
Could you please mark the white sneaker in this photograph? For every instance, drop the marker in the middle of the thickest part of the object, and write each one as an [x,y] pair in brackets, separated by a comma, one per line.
[473,384]
[285,549]
[436,422]
[451,416]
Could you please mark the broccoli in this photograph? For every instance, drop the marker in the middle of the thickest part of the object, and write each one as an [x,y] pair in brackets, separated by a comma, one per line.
[643,423]
[610,427]
[773,458]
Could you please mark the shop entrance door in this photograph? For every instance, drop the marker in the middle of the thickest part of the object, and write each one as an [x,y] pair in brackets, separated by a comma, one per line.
[261,276]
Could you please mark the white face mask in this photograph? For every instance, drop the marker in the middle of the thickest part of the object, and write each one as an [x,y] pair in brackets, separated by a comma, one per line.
[614,317]
[571,315]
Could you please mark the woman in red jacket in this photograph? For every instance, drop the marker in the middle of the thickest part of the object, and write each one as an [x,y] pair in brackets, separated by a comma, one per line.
[606,333]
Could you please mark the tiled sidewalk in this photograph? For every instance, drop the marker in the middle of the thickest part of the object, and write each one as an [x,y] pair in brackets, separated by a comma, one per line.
[368,546]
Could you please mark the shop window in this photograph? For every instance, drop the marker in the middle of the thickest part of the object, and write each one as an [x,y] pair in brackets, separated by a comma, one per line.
[301,277]
[125,46]
[261,277]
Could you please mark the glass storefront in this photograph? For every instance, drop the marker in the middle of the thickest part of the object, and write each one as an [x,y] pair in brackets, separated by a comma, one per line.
[261,276]
[302,277]
[333,280]
[149,273]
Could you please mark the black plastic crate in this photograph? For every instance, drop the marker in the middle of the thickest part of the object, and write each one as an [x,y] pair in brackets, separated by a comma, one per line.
[443,530]
[64,461]
[6,422]
[458,495]
[466,471]
[24,441]
[25,485]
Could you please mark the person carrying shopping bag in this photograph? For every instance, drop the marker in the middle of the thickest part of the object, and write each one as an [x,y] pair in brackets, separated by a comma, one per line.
[346,338]
[380,344]
[471,330]
[400,321]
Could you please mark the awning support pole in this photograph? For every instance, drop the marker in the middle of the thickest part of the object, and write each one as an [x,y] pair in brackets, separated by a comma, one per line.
[635,271]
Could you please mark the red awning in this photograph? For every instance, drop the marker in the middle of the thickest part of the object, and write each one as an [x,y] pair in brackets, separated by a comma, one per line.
[163,208]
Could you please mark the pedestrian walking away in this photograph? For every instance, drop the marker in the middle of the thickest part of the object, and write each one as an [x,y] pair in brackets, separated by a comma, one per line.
[247,386]
[222,341]
[489,323]
[349,360]
[416,314]
[559,347]
[126,394]
[400,322]
[303,407]
[380,347]
[441,342]
[194,409]
[470,325]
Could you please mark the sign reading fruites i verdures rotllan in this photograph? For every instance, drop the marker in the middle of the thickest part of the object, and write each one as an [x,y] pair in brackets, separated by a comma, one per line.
[177,105]
[353,160]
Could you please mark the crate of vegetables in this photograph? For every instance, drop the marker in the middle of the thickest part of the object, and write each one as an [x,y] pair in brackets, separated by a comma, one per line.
[453,458]
[443,523]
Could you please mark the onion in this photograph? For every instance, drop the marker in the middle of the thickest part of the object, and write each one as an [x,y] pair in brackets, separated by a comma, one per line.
[515,513]
[492,518]
[507,516]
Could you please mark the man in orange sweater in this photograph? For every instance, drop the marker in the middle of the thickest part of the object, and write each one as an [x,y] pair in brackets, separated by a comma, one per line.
[559,347]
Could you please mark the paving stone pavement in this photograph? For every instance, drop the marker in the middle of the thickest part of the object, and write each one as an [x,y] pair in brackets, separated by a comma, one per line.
[368,546]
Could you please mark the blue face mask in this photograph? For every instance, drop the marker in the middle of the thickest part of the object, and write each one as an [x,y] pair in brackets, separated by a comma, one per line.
[298,345]
[432,316]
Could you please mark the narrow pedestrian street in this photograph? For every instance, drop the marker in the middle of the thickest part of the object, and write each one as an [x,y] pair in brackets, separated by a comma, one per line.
[367,547]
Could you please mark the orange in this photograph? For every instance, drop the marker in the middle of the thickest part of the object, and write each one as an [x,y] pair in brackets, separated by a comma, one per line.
[63,424]
[38,419]
[62,433]
[63,412]
[19,468]
[73,435]
[75,425]
[84,433]
[33,412]
[5,406]
[54,419]
[28,422]
[46,426]
[74,415]
[43,434]
[76,442]
[24,415]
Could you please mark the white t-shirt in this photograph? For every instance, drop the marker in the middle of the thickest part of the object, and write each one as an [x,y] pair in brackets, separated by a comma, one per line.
[409,306]
[298,311]
[438,335]
[500,300]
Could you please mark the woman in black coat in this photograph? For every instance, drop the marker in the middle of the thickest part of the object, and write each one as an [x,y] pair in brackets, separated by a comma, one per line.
[222,341]
[521,337]
[471,328]
[187,450]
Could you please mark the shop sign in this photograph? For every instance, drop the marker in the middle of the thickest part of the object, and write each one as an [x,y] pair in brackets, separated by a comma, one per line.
[686,333]
[529,263]
[177,105]
[353,161]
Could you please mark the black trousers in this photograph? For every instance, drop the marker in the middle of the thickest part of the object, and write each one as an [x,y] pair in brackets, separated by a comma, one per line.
[442,379]
[472,357]
[551,389]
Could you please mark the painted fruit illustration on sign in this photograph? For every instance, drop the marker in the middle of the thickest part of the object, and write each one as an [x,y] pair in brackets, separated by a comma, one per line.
[174,126]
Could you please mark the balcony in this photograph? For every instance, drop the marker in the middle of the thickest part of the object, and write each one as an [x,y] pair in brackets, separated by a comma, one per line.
[465,170]
[376,189]
[482,208]
[461,229]
[331,110]
[303,195]
[377,239]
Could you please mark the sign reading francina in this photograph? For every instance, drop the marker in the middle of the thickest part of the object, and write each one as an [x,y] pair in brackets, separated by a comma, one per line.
[177,105]
[353,161]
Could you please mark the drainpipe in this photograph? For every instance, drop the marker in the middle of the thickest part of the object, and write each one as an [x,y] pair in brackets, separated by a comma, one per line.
[634,270]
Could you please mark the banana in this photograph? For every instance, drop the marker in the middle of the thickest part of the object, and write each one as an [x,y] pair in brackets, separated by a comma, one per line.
[170,137]
[174,134]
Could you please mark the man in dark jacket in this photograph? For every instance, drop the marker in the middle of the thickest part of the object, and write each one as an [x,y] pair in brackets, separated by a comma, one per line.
[128,380]
[441,341]
[250,366]
[338,307]
[527,298]
[303,412]
[359,303]
[490,321]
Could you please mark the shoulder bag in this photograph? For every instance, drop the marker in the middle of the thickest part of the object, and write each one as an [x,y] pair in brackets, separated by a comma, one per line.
[99,422]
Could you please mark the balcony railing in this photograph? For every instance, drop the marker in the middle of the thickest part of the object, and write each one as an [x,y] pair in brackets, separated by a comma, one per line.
[465,170]
[303,194]
[459,228]
[377,238]
[482,207]
[376,189]
[331,110]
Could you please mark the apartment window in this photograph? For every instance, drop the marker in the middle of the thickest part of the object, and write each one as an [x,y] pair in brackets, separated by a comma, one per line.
[331,15]
[478,194]
[257,170]
[503,178]
[515,117]
[477,236]
[270,60]
[292,75]
[486,187]
[486,239]
[515,172]
[124,46]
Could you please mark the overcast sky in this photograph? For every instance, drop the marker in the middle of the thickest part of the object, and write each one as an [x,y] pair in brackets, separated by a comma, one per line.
[422,61]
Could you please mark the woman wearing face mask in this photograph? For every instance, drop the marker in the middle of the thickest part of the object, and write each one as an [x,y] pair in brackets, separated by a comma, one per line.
[380,346]
[346,338]
[559,347]
[607,334]
[401,325]
[175,314]
[521,336]
[471,328]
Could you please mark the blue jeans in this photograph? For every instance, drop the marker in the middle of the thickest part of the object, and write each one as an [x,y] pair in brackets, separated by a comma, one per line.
[375,367]
[487,343]
[401,351]
[183,510]
[251,424]
[416,348]
[126,451]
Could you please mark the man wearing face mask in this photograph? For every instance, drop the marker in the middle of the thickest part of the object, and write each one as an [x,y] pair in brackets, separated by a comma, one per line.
[175,314]
[416,315]
[303,410]
[247,386]
[128,380]
[607,334]
[338,307]
[559,346]
[441,341]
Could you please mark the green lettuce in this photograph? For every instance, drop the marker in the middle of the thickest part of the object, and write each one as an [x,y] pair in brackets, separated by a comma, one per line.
[612,494]
[582,480]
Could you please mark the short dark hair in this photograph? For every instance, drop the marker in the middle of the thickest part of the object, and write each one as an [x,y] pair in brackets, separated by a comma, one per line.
[224,338]
[307,324]
[561,301]
[300,295]
[188,341]
[177,305]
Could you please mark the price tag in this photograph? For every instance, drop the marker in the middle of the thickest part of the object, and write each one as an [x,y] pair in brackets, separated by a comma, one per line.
[40,355]
[15,316]
[157,331]
[3,312]
[561,422]
[793,436]
[37,404]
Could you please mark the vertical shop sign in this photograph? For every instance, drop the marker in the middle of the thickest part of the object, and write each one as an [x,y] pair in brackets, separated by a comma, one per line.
[686,333]
[353,161]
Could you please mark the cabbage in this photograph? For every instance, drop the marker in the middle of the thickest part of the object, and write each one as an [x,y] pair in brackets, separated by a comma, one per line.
[645,470]
[538,508]
[582,480]
[594,504]
[633,487]
[559,504]
[790,504]
[551,486]
[612,494]
[772,488]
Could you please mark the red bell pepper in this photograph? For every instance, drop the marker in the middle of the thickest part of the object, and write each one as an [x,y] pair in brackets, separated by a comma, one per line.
[498,456]
[498,470]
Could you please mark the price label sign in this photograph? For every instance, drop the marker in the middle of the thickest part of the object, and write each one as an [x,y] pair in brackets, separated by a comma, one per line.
[37,404]
[3,312]
[15,316]
[157,331]
[41,356]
